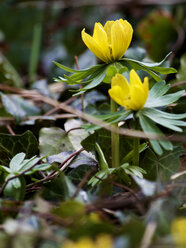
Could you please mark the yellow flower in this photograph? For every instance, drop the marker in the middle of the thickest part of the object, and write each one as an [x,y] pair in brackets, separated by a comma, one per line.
[131,96]
[178,229]
[102,241]
[109,43]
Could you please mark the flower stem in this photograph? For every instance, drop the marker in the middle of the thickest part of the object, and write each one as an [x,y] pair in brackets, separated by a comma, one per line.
[114,139]
[136,144]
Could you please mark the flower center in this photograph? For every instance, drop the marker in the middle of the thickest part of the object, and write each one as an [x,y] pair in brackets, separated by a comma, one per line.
[110,48]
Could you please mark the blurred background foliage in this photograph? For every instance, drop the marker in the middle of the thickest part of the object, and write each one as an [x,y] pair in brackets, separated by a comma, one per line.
[33,33]
[159,28]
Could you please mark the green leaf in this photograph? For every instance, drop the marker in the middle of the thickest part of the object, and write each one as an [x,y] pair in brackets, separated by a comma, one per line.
[18,107]
[95,82]
[16,183]
[122,172]
[129,156]
[151,68]
[103,165]
[15,188]
[12,107]
[10,145]
[80,159]
[27,106]
[39,167]
[135,171]
[75,136]
[92,72]
[28,163]
[53,141]
[110,72]
[69,80]
[164,70]
[76,175]
[79,75]
[16,161]
[149,64]
[8,73]
[161,118]
[165,114]
[158,89]
[103,138]
[102,174]
[5,169]
[163,100]
[65,68]
[149,127]
[108,118]
[57,189]
[137,66]
[163,166]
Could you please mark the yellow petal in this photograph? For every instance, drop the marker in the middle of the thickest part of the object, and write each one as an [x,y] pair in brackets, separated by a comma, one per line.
[134,79]
[85,243]
[121,36]
[129,105]
[139,91]
[121,81]
[120,90]
[100,37]
[107,29]
[116,94]
[104,241]
[138,97]
[131,96]
[146,86]
[128,31]
[93,46]
[178,232]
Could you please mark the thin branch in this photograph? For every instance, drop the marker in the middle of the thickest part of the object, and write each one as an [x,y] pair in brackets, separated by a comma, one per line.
[83,182]
[51,111]
[148,234]
[80,3]
[178,84]
[122,131]
[139,205]
[55,173]
[125,188]
[74,128]
[5,120]
[66,160]
[10,129]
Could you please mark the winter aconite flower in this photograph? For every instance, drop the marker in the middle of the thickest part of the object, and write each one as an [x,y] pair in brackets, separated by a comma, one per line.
[131,96]
[102,241]
[109,43]
[137,97]
[178,231]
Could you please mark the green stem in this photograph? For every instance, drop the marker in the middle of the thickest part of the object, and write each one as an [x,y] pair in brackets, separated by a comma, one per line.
[114,139]
[136,144]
